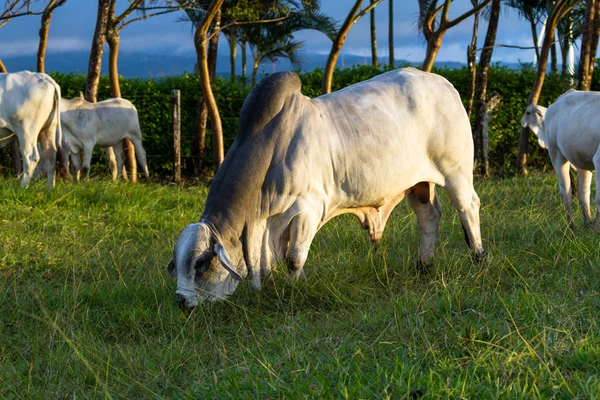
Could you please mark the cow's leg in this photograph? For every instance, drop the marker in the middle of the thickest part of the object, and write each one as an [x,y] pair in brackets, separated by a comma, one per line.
[120,160]
[112,162]
[597,200]
[303,228]
[584,181]
[29,153]
[76,165]
[424,202]
[140,154]
[48,150]
[88,148]
[561,166]
[465,200]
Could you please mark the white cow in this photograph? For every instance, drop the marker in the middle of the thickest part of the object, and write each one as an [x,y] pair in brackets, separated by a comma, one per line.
[296,163]
[569,131]
[30,110]
[104,124]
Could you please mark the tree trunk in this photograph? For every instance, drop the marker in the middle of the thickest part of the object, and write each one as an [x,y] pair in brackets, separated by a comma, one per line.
[201,41]
[43,43]
[232,51]
[113,39]
[534,36]
[95,64]
[594,42]
[244,61]
[536,90]
[391,33]
[200,122]
[472,60]
[481,89]
[433,47]
[336,48]
[255,66]
[2,67]
[553,60]
[586,43]
[374,59]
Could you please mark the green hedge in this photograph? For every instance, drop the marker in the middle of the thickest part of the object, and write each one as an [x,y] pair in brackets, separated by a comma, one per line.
[153,101]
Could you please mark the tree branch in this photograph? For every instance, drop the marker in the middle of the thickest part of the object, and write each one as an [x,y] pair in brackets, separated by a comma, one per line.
[366,10]
[466,15]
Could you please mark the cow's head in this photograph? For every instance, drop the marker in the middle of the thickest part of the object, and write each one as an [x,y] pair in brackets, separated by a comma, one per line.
[202,263]
[533,119]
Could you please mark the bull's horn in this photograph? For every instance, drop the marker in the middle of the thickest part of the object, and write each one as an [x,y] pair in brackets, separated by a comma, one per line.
[226,261]
[171,268]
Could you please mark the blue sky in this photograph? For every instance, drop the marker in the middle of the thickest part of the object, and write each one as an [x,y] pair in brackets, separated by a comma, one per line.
[73,26]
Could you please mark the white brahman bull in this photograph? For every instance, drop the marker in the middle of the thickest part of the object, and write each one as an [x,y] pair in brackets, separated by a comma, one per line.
[105,124]
[296,163]
[30,110]
[568,130]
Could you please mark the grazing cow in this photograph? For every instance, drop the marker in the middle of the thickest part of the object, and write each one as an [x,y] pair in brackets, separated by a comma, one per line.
[567,129]
[30,110]
[105,124]
[296,163]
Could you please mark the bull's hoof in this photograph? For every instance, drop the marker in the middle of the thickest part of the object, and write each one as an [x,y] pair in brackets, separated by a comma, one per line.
[479,257]
[423,268]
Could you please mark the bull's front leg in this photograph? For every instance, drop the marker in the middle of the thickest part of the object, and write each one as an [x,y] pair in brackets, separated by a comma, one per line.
[76,164]
[88,148]
[561,166]
[303,229]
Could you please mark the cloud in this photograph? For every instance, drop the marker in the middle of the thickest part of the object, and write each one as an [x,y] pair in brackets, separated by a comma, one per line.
[55,45]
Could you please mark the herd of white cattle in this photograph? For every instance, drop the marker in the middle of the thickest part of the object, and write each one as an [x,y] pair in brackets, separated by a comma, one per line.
[32,110]
[297,162]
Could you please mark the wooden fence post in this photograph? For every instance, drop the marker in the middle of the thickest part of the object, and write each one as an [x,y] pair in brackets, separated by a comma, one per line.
[176,101]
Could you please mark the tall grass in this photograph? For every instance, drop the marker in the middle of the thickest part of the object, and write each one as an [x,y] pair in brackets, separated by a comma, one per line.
[87,310]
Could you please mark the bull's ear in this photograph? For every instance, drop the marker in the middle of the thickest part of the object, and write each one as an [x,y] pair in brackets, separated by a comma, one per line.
[171,268]
[202,262]
[226,261]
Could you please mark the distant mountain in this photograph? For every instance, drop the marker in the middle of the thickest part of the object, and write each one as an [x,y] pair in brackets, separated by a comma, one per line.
[138,65]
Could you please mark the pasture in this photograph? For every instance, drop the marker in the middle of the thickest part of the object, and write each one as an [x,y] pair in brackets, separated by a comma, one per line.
[87,310]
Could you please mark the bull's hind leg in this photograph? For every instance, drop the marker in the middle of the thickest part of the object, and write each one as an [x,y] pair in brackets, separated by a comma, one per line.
[465,200]
[49,150]
[584,180]
[424,202]
[29,152]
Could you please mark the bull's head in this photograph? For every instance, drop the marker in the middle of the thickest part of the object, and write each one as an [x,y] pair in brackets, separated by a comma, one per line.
[533,119]
[203,266]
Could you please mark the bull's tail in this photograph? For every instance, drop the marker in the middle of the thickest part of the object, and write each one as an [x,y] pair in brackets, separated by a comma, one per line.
[62,151]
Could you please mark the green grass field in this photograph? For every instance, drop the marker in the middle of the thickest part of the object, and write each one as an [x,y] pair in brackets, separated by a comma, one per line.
[87,309]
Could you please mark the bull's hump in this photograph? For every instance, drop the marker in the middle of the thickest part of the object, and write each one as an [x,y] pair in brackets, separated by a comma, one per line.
[266,100]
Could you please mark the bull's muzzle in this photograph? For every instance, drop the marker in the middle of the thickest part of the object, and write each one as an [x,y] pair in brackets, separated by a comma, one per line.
[183,303]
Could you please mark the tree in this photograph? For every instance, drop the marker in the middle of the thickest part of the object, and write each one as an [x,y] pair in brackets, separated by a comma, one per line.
[479,140]
[374,59]
[428,16]
[557,12]
[472,59]
[589,44]
[95,63]
[391,32]
[338,42]
[270,41]
[45,27]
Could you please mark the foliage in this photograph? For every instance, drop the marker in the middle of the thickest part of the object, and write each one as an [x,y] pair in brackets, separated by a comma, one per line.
[153,101]
[88,310]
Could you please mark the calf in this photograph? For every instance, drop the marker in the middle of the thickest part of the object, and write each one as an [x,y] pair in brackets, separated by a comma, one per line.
[105,124]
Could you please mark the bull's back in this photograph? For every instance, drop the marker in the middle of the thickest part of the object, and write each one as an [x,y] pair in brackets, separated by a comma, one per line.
[396,130]
[573,126]
[22,93]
